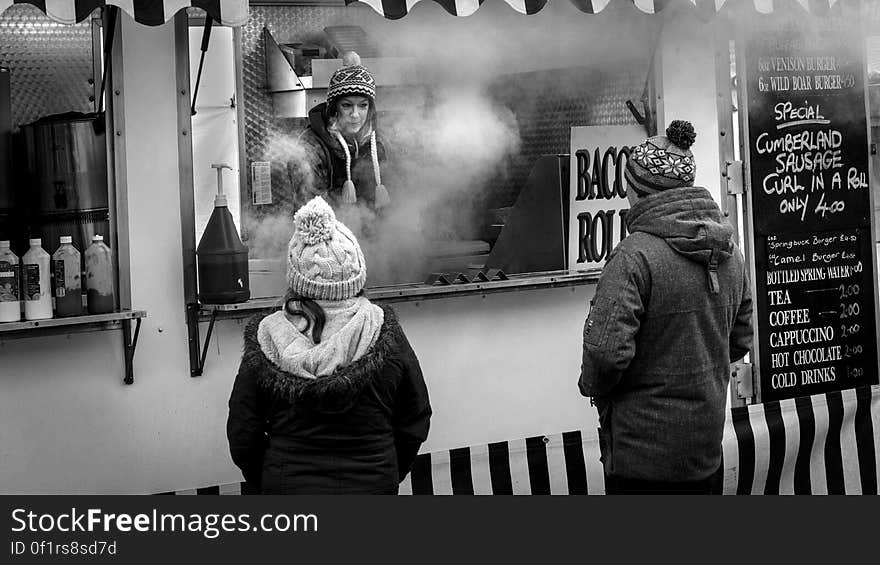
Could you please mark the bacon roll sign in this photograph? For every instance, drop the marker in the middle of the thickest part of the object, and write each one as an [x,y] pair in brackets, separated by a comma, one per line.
[597,192]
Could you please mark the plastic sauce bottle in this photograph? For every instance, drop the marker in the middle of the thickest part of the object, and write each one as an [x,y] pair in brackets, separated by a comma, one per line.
[221,257]
[37,288]
[10,284]
[99,276]
[66,263]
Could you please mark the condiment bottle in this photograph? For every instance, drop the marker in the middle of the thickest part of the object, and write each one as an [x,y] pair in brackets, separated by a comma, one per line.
[221,257]
[67,266]
[99,276]
[10,284]
[37,288]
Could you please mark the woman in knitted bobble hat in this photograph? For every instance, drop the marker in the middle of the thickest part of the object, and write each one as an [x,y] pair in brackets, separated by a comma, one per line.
[339,155]
[329,397]
[672,310]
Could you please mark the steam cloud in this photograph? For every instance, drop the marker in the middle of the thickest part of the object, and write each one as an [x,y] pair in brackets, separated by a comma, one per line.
[451,142]
[442,154]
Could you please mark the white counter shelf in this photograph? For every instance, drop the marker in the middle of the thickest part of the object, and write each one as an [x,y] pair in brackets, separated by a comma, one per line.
[210,313]
[120,320]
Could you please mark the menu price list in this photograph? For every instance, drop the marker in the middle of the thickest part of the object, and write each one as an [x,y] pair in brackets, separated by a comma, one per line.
[817,320]
[807,129]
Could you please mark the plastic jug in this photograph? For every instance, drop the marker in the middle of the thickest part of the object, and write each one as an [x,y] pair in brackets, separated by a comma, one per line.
[10,284]
[35,279]
[99,277]
[67,268]
[221,257]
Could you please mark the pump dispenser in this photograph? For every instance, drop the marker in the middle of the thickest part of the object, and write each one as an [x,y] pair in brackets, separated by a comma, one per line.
[221,257]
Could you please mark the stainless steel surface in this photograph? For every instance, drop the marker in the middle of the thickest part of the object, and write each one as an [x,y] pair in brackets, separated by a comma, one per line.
[279,68]
[66,181]
[51,63]
[118,177]
[287,25]
[66,165]
[6,193]
[568,97]
[185,159]
[81,226]
[350,38]
[414,292]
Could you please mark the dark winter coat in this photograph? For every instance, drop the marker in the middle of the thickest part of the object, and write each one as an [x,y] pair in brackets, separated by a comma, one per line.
[672,310]
[317,166]
[357,430]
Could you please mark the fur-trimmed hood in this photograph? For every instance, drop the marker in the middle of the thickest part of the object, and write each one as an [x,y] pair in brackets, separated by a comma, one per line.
[333,393]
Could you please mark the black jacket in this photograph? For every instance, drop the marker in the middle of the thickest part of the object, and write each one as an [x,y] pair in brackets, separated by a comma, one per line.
[355,431]
[315,166]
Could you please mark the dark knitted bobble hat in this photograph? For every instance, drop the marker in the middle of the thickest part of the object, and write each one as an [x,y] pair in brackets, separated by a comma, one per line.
[663,162]
[352,79]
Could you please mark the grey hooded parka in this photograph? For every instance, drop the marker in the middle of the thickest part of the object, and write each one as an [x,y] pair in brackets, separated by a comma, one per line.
[671,311]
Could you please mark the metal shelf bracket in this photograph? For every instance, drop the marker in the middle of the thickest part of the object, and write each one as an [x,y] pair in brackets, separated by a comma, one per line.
[129,344]
[197,351]
[80,324]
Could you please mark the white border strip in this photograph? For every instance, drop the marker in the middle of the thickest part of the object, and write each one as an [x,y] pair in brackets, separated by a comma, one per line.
[849,451]
[818,479]
[519,466]
[788,410]
[480,474]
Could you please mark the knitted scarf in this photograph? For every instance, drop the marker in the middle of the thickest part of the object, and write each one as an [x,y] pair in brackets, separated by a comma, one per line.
[351,328]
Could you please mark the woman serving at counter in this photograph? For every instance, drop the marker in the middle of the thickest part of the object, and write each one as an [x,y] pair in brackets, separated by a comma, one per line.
[339,156]
[329,397]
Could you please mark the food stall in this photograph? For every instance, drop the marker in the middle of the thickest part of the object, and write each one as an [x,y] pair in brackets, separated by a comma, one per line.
[512,203]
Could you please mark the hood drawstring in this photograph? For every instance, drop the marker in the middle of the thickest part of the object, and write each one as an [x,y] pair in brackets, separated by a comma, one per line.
[381,198]
[714,286]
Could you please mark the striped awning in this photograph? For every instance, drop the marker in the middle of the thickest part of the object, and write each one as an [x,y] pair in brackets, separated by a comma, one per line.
[820,444]
[147,12]
[394,9]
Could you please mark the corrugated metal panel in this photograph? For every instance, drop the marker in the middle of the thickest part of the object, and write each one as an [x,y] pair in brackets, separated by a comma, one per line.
[287,25]
[350,38]
[50,64]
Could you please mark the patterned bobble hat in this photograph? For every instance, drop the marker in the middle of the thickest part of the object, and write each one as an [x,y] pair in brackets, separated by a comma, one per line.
[663,162]
[324,260]
[352,79]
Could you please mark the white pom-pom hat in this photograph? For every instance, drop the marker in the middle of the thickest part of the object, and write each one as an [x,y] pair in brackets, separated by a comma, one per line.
[324,259]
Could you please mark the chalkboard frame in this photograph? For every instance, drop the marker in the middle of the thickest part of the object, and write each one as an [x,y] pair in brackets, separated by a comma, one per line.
[750,237]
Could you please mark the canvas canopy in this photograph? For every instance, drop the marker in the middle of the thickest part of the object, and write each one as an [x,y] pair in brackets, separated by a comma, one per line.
[147,12]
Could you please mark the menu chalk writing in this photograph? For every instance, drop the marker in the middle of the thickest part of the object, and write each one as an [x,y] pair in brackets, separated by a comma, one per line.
[808,167]
[817,317]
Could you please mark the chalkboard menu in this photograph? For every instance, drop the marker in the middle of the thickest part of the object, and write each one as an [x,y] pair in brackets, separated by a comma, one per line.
[811,209]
